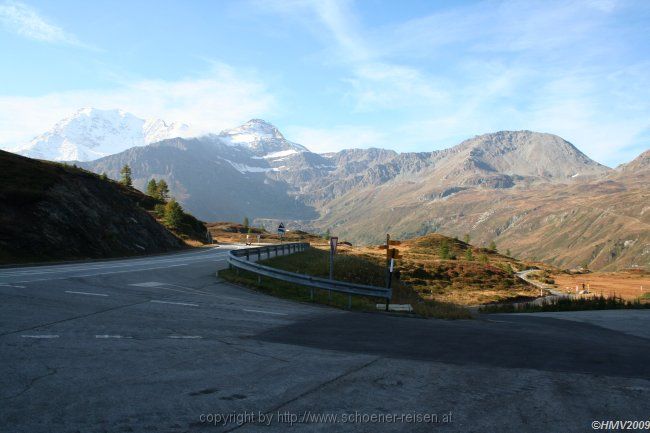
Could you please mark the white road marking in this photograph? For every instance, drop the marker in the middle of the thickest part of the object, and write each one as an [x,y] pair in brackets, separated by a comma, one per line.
[11,285]
[265,312]
[85,293]
[175,303]
[158,285]
[185,336]
[148,284]
[40,336]
[111,336]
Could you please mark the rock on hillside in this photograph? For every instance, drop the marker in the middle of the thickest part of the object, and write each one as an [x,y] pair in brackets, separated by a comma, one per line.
[55,212]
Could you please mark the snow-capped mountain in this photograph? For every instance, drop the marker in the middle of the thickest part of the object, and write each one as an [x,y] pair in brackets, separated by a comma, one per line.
[261,138]
[91,133]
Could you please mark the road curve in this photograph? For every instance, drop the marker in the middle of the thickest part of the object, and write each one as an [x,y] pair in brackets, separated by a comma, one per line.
[161,344]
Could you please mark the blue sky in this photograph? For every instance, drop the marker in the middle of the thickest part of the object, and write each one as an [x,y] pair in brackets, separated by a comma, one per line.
[411,76]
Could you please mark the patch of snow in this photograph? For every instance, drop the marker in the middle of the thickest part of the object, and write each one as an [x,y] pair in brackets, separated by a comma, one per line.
[243,168]
[576,175]
[280,154]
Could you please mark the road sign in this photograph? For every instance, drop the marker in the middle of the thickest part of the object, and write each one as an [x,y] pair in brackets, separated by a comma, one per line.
[394,253]
[281,229]
[334,241]
[395,242]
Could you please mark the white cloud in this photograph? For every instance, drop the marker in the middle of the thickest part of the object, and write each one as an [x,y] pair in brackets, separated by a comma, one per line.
[24,20]
[321,140]
[217,100]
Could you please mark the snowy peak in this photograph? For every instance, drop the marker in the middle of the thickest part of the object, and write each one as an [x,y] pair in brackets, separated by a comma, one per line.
[92,133]
[261,137]
[157,130]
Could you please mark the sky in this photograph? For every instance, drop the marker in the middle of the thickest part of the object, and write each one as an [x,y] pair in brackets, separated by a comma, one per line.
[330,74]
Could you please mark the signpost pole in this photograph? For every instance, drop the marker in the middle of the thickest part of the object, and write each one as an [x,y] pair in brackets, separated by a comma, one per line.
[388,270]
[333,244]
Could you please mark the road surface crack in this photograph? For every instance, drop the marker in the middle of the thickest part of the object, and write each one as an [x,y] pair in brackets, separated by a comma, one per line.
[51,371]
[311,390]
[73,318]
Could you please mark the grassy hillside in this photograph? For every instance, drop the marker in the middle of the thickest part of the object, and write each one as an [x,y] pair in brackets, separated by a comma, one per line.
[52,211]
[436,275]
[440,269]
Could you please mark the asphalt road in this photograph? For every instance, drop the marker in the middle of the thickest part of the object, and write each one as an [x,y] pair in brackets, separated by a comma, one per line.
[159,344]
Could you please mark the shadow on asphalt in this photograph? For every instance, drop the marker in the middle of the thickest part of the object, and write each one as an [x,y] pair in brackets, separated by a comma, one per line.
[500,341]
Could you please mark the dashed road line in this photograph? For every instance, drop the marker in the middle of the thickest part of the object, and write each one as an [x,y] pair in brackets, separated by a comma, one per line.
[85,293]
[40,336]
[175,303]
[111,336]
[185,336]
[265,312]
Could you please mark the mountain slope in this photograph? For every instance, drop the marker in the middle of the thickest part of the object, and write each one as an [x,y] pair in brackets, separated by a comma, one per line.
[50,211]
[602,222]
[213,180]
[91,133]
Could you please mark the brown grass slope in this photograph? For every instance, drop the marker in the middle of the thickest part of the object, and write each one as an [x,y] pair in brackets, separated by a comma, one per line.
[483,277]
[50,211]
[601,222]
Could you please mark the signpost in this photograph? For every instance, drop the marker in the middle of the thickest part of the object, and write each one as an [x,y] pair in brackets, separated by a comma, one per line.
[281,231]
[334,241]
[392,254]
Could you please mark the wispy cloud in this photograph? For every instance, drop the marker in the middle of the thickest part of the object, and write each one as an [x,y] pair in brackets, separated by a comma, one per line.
[561,67]
[335,138]
[25,21]
[218,99]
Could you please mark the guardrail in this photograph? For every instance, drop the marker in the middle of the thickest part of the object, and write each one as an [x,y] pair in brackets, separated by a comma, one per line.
[241,259]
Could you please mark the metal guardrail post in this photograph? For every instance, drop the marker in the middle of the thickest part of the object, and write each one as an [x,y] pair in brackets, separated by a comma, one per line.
[247,254]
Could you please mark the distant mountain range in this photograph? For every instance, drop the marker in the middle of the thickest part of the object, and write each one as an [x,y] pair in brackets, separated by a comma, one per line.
[533,193]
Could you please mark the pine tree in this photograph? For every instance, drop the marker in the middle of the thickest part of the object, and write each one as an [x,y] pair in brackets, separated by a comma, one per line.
[483,258]
[444,250]
[126,179]
[466,238]
[246,222]
[469,255]
[162,190]
[103,176]
[328,235]
[173,214]
[152,188]
[508,252]
[493,246]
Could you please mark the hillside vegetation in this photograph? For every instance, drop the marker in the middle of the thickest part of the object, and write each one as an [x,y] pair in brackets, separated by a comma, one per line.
[52,211]
[437,275]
